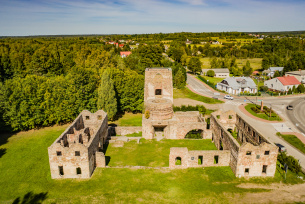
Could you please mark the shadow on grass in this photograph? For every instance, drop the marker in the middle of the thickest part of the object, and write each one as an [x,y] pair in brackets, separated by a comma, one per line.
[32,198]
[107,158]
[5,136]
[2,152]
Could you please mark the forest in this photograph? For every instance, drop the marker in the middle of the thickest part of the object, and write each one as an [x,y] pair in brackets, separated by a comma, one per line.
[49,80]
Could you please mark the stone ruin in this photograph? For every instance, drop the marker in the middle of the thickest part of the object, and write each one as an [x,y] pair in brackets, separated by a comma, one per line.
[78,150]
[248,154]
[159,120]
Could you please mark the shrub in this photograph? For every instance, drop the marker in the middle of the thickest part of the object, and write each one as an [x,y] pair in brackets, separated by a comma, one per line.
[293,164]
[263,88]
[147,114]
[210,73]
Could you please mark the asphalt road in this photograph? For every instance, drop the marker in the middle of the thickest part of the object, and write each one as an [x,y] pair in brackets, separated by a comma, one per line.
[297,115]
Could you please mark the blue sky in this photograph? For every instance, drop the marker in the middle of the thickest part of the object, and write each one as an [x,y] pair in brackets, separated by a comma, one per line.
[55,17]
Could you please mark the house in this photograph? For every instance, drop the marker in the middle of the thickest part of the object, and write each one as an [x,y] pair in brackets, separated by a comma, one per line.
[299,75]
[282,83]
[237,85]
[188,42]
[219,72]
[271,70]
[255,73]
[125,53]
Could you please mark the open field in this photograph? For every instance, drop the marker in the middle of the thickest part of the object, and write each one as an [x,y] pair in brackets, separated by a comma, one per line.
[153,153]
[256,63]
[25,176]
[213,80]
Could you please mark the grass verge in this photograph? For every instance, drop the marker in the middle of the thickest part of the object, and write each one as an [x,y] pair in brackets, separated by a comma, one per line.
[294,141]
[274,116]
[186,93]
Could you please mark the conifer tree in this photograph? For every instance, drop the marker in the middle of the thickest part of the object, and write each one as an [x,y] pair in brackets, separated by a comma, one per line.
[106,95]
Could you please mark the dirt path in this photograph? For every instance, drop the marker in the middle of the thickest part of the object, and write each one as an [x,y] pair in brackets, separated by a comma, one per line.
[279,193]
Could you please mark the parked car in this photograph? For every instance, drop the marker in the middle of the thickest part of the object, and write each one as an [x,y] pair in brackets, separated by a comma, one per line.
[281,147]
[289,107]
[228,97]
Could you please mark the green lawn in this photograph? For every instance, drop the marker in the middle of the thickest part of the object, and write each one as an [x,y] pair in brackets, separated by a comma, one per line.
[186,93]
[24,168]
[153,153]
[213,80]
[129,119]
[274,116]
[294,141]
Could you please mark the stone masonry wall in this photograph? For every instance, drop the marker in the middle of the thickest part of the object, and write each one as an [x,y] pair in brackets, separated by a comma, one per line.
[198,158]
[125,130]
[73,154]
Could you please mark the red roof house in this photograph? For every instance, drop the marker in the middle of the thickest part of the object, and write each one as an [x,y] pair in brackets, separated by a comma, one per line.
[125,53]
[282,83]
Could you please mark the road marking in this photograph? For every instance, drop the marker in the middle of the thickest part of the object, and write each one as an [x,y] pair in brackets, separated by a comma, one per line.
[233,103]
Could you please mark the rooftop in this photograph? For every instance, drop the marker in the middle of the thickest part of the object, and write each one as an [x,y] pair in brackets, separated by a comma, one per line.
[288,80]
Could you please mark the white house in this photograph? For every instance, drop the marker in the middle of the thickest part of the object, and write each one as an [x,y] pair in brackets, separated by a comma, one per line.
[236,85]
[282,83]
[219,72]
[270,72]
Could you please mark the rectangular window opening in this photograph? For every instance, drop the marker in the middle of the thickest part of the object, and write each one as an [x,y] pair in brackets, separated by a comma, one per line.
[78,171]
[267,152]
[99,117]
[216,159]
[77,153]
[200,158]
[248,153]
[87,117]
[264,169]
[258,156]
[246,170]
[58,153]
[61,170]
[158,92]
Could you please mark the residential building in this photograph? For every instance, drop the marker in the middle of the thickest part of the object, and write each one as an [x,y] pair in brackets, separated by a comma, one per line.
[299,75]
[282,83]
[219,72]
[125,53]
[237,85]
[271,70]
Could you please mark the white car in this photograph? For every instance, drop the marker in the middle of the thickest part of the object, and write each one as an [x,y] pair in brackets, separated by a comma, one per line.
[228,97]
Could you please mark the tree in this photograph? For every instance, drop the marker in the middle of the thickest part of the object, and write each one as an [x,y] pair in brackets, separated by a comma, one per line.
[247,69]
[194,65]
[276,74]
[301,88]
[210,73]
[106,95]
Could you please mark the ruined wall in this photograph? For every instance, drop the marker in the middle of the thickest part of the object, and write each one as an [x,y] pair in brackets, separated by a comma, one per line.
[254,158]
[198,158]
[246,133]
[125,130]
[220,122]
[72,155]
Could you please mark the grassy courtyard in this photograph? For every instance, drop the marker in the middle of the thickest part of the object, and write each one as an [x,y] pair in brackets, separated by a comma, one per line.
[25,176]
[129,119]
[153,153]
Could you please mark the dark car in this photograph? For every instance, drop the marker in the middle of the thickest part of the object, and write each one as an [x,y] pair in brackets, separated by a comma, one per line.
[289,107]
[281,147]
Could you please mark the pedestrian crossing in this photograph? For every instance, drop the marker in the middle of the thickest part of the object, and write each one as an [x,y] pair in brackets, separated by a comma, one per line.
[233,103]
